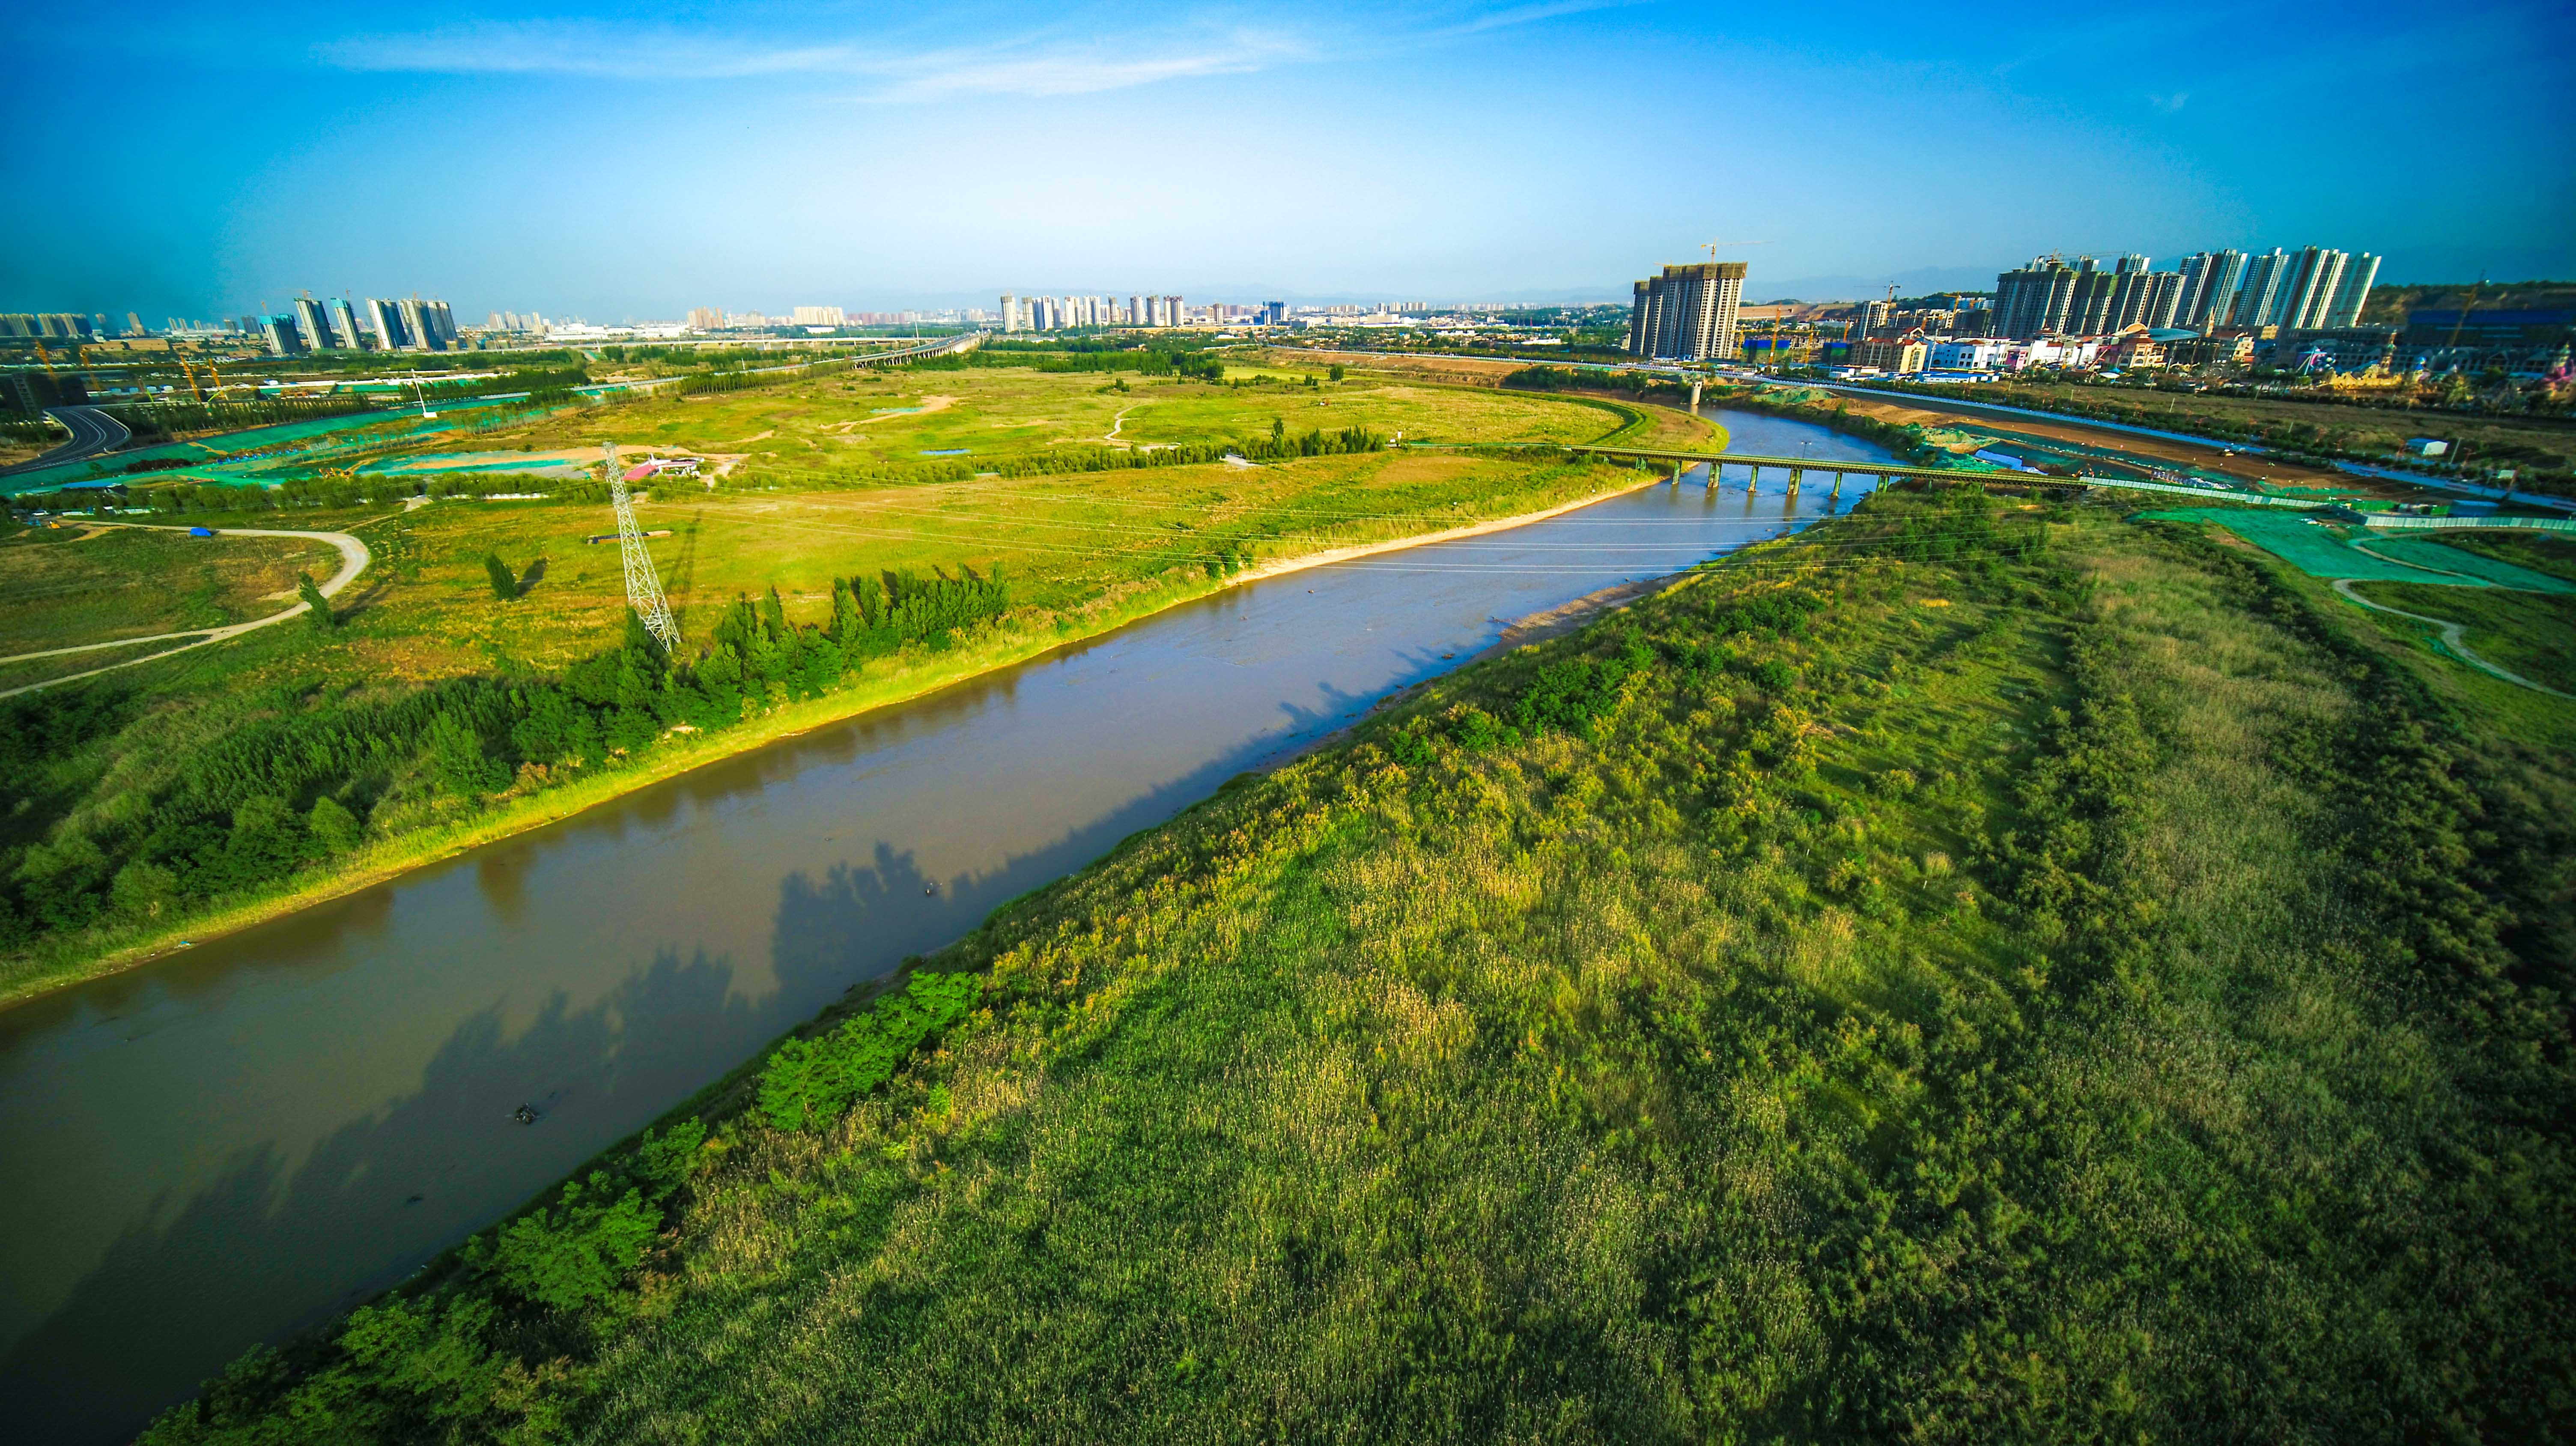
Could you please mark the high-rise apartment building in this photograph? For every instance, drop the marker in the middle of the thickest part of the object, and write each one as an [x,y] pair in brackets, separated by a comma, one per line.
[282,336]
[2128,265]
[1688,313]
[1010,312]
[2033,301]
[385,319]
[2315,275]
[1274,313]
[2259,295]
[2360,273]
[315,324]
[344,322]
[2209,282]
[2089,304]
[2144,298]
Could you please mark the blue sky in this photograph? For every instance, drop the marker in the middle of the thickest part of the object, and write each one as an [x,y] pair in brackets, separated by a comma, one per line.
[626,163]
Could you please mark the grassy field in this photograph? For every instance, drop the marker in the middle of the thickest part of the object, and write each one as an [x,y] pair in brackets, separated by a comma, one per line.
[59,587]
[1967,974]
[2531,634]
[984,415]
[100,871]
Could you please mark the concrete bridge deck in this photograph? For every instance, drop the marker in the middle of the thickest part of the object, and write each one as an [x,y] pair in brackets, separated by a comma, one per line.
[1799,467]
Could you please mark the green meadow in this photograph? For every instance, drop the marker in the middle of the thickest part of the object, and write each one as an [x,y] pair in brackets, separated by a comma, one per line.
[1974,972]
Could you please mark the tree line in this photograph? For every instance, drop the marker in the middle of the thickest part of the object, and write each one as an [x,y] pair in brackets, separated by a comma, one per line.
[315,777]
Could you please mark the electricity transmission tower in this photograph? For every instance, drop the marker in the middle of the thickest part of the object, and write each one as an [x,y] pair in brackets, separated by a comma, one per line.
[643,588]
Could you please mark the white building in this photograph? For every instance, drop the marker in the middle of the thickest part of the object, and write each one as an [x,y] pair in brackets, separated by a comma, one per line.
[821,316]
[1968,353]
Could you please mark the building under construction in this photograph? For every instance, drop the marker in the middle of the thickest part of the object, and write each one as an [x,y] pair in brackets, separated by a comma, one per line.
[1688,313]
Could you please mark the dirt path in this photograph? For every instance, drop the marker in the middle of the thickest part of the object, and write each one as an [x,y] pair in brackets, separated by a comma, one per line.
[2452,634]
[354,558]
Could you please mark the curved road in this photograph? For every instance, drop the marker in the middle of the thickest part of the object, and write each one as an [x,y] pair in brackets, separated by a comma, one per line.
[93,431]
[354,558]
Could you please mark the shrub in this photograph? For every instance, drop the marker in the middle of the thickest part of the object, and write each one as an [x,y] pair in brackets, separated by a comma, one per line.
[809,1082]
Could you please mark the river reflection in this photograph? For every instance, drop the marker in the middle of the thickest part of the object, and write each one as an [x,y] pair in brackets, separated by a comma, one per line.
[236,1142]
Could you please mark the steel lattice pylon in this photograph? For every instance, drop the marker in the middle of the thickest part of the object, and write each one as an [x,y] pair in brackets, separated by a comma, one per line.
[643,586]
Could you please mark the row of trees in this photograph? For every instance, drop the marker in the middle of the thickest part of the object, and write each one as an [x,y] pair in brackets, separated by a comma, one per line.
[311,778]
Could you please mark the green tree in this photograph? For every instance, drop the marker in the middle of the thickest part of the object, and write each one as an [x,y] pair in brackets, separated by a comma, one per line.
[333,826]
[320,616]
[505,583]
[1338,371]
[456,753]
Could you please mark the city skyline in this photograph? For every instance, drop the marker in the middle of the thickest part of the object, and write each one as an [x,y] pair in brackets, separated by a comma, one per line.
[606,162]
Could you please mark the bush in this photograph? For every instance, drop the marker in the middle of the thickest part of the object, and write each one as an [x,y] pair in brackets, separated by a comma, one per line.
[810,1082]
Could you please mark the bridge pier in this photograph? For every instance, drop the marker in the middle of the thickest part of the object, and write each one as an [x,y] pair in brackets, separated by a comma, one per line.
[1797,475]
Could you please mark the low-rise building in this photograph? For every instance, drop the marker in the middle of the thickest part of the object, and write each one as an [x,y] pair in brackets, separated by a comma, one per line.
[2336,349]
[2234,348]
[1968,353]
[1894,354]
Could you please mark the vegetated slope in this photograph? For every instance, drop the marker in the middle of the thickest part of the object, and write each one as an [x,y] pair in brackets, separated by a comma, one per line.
[443,708]
[1959,976]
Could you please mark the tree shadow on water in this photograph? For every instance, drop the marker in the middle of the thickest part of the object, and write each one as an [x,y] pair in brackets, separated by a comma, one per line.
[272,1245]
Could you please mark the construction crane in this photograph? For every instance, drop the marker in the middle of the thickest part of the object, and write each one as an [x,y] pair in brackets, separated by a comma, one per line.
[643,585]
[1711,246]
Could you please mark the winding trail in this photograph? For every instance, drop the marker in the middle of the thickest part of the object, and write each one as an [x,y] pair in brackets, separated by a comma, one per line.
[1117,423]
[354,558]
[2451,636]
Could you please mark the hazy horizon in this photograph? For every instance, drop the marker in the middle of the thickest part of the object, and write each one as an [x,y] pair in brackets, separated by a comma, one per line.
[620,164]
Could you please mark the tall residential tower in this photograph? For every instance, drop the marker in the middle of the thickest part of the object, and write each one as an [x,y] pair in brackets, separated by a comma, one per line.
[1688,313]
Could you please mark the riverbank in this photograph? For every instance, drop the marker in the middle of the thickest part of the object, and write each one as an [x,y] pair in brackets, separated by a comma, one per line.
[1380,1095]
[679,754]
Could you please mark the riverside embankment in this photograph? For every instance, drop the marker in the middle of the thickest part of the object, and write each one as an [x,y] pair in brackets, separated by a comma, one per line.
[229,1144]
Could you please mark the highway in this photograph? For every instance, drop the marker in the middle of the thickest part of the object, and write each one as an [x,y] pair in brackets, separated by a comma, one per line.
[93,431]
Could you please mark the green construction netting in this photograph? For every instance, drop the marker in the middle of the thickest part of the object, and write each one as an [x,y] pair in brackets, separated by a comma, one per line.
[2425,552]
[2315,548]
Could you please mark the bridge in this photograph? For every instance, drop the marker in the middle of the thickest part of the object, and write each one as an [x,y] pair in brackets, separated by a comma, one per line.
[1799,467]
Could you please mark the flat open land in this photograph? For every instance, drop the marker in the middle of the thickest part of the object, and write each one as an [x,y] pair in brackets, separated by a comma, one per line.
[60,588]
[980,415]
[1080,552]
[1067,543]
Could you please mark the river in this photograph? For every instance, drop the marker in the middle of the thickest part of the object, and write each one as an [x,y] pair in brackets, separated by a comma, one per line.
[234,1143]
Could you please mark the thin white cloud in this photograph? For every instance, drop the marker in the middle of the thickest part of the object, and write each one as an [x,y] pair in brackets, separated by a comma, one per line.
[577,47]
[1027,69]
[1527,15]
[1022,66]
